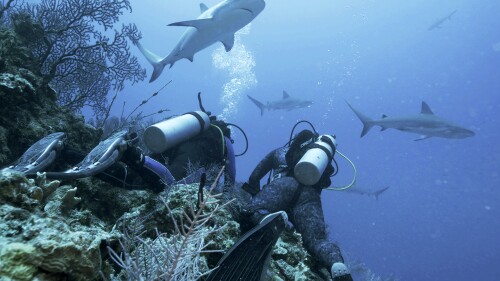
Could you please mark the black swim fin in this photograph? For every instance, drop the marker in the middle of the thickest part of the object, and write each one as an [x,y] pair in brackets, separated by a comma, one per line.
[249,257]
[105,154]
[40,155]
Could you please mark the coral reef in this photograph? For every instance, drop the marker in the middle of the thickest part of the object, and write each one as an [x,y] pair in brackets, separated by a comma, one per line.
[43,236]
[29,110]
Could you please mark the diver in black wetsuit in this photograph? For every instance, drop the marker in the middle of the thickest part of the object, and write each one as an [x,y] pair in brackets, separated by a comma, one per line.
[301,202]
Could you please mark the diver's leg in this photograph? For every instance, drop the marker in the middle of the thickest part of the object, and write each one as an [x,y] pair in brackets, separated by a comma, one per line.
[307,217]
[276,196]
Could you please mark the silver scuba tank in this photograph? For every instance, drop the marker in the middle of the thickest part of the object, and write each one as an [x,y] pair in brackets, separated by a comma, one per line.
[311,166]
[166,134]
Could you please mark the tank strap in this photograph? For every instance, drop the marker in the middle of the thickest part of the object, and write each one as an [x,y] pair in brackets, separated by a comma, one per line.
[315,145]
[200,120]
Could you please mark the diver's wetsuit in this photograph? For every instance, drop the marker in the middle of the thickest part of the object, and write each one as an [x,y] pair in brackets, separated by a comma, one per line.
[204,150]
[304,209]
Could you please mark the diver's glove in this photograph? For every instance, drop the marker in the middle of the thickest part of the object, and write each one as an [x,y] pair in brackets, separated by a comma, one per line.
[250,188]
[340,272]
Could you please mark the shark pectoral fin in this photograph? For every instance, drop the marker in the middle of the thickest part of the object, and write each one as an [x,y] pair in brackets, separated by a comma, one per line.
[203,8]
[198,24]
[228,43]
[423,138]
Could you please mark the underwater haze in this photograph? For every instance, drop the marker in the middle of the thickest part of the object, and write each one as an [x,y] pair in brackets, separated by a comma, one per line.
[439,220]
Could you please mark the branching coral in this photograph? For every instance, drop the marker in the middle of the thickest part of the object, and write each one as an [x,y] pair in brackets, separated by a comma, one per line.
[176,256]
[76,57]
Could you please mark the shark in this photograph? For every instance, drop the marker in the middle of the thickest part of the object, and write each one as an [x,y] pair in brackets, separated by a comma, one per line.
[286,103]
[427,124]
[440,21]
[373,194]
[216,24]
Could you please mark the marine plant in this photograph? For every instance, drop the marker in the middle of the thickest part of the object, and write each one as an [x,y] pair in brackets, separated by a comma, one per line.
[177,255]
[79,50]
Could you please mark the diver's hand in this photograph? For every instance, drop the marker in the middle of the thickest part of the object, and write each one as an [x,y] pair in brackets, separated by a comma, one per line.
[133,156]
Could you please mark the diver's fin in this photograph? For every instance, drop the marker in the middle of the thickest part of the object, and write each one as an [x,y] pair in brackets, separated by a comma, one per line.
[248,258]
[40,155]
[105,154]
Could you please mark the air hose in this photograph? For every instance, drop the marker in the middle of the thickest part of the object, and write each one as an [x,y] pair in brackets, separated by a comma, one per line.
[340,188]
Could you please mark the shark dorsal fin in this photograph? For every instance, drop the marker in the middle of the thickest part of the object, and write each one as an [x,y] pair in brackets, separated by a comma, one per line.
[203,8]
[426,109]
[198,23]
[228,42]
[384,116]
[285,95]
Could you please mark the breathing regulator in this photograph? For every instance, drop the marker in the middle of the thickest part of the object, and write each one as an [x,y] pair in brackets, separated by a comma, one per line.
[319,153]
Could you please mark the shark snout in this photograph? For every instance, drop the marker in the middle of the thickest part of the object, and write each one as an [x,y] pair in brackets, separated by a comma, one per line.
[469,133]
[463,133]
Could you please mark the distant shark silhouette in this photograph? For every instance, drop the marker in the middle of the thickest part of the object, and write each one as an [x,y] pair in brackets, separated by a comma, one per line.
[374,194]
[426,124]
[286,103]
[440,21]
[218,23]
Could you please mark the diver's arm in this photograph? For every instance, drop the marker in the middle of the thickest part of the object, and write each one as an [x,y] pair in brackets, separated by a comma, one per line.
[264,166]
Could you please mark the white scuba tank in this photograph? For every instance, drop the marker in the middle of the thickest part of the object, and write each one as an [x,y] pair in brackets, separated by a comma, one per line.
[313,163]
[166,134]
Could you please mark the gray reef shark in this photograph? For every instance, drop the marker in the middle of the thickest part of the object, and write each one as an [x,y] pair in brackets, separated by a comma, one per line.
[439,22]
[286,103]
[374,194]
[218,23]
[426,124]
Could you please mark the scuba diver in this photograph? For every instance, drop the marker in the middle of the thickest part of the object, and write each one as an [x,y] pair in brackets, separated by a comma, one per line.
[298,173]
[194,138]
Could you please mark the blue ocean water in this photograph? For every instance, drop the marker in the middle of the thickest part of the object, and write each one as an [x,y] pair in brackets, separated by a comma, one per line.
[439,218]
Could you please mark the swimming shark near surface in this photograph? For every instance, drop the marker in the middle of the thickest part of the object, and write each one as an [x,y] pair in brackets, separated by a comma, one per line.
[426,124]
[218,23]
[286,103]
[440,21]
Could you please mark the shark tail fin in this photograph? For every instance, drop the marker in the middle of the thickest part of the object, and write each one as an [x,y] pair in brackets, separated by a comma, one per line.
[367,122]
[157,62]
[378,192]
[260,105]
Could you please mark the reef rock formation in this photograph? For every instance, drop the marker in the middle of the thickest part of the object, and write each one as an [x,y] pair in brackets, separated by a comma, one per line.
[29,110]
